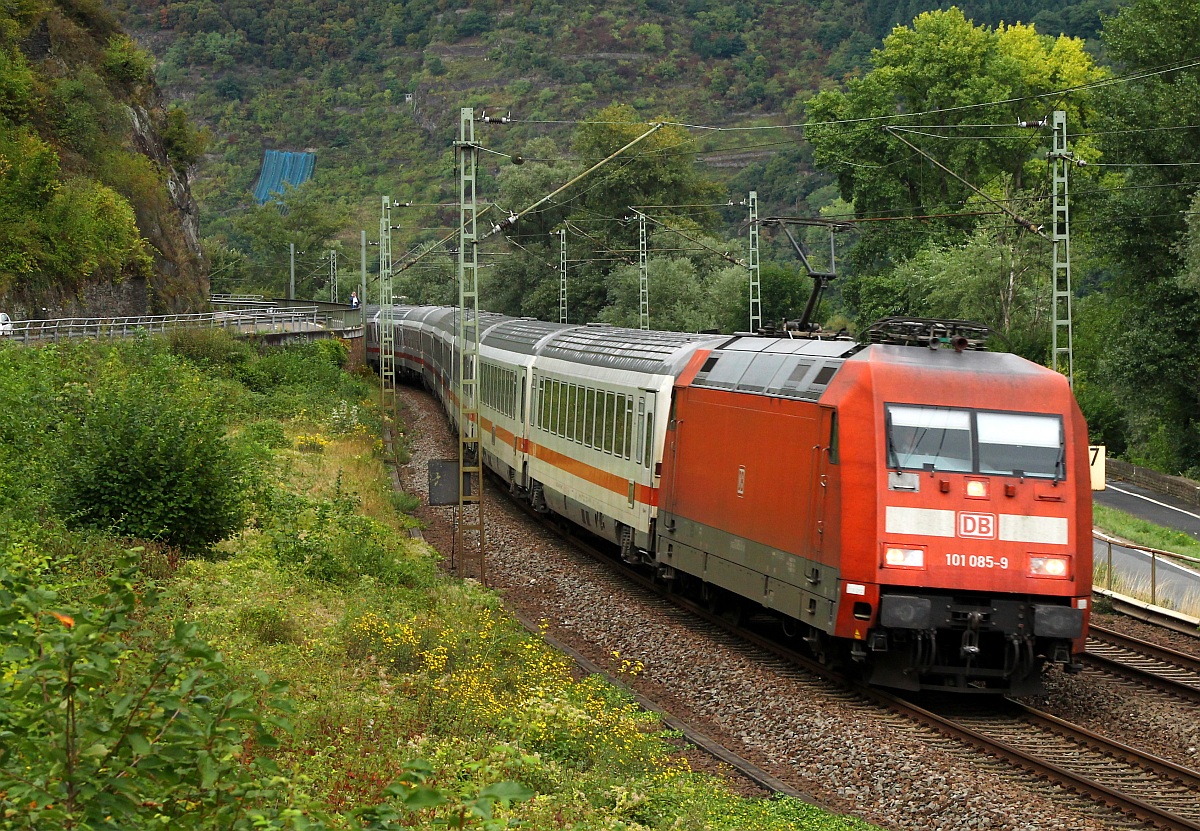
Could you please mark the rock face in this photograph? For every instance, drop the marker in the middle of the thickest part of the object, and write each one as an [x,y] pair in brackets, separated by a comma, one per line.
[180,283]
[65,47]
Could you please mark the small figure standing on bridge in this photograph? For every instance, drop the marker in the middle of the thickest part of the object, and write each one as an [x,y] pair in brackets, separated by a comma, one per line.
[353,300]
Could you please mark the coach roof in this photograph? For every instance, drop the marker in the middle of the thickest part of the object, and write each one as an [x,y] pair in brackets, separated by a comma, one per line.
[637,350]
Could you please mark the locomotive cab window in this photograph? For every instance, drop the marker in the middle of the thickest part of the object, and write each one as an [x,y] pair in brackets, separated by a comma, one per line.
[929,436]
[968,441]
[1013,443]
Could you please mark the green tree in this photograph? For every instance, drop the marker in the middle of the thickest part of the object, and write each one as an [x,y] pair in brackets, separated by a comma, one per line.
[1152,361]
[659,170]
[932,79]
[783,290]
[60,231]
[997,277]
[125,63]
[183,142]
[678,296]
[306,217]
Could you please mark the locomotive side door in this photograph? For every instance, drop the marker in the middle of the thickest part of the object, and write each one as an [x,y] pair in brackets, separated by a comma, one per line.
[825,452]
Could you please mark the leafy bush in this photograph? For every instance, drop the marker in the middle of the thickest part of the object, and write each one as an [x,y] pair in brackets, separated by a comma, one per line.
[215,348]
[104,725]
[267,432]
[305,381]
[183,142]
[269,624]
[147,459]
[327,540]
[333,350]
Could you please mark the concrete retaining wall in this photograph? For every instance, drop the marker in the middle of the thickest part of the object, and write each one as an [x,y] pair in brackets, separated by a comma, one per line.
[1185,489]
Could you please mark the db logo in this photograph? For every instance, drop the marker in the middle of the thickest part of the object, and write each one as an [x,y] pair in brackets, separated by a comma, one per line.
[977,525]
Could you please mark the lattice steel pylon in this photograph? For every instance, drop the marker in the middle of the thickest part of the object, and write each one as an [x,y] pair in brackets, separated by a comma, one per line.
[470,536]
[755,272]
[562,270]
[1062,356]
[643,274]
[387,314]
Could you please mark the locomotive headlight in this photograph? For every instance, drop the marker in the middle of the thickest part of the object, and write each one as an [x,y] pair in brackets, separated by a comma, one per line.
[904,557]
[977,488]
[1049,566]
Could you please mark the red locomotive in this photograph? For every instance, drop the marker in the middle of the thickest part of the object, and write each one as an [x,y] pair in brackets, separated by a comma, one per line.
[923,513]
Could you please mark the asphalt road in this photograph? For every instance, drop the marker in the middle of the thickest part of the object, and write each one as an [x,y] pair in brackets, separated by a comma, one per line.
[1150,506]
[1175,586]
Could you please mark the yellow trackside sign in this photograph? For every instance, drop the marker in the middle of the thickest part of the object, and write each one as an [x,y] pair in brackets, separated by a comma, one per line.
[1096,457]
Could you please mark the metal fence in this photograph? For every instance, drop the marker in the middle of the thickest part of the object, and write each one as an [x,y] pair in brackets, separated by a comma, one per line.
[243,321]
[339,316]
[1155,555]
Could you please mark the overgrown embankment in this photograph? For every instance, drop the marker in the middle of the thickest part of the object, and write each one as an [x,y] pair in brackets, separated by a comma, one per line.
[212,616]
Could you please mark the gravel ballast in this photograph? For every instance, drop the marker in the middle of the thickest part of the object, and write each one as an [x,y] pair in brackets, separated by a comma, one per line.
[853,756]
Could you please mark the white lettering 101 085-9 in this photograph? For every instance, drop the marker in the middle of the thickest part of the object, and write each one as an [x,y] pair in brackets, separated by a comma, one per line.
[976,561]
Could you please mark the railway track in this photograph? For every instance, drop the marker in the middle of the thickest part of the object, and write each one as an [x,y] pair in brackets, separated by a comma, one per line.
[1083,775]
[1134,788]
[1146,663]
[1137,784]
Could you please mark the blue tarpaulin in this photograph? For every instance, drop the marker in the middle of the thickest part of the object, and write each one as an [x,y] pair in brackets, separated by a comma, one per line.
[280,166]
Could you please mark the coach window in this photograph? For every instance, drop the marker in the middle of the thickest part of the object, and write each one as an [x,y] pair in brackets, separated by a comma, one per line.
[628,443]
[641,430]
[589,416]
[618,424]
[560,407]
[606,426]
[543,405]
[573,412]
[564,411]
[648,449]
[598,422]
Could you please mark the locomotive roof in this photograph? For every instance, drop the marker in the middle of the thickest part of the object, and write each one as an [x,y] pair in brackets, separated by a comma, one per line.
[947,360]
[783,367]
[595,345]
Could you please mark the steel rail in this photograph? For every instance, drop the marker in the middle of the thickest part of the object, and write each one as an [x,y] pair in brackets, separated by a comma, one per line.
[1103,793]
[1150,664]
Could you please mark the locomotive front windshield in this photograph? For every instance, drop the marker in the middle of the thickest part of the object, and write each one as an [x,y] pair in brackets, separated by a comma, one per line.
[975,441]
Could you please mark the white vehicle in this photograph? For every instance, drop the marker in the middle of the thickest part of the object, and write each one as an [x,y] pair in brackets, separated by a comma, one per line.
[6,326]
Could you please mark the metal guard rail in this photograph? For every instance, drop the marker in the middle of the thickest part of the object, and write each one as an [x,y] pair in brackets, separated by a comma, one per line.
[245,321]
[1154,553]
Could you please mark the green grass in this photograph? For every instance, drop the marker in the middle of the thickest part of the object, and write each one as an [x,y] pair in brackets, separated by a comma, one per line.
[1128,527]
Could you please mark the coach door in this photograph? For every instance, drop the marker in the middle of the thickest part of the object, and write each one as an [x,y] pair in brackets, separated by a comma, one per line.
[520,430]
